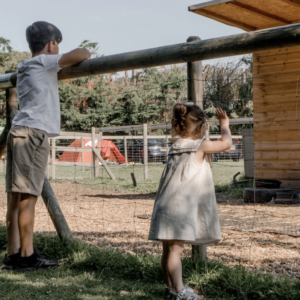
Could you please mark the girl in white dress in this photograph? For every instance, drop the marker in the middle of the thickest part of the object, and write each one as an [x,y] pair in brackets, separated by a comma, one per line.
[185,209]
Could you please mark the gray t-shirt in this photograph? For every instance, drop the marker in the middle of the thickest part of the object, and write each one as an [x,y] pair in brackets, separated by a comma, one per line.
[37,88]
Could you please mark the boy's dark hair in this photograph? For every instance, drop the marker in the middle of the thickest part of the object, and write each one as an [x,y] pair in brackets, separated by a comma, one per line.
[39,34]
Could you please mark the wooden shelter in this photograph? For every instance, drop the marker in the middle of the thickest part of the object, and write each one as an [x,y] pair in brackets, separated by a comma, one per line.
[276,85]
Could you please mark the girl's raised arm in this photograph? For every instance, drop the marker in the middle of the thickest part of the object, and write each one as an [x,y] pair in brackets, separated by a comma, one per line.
[226,140]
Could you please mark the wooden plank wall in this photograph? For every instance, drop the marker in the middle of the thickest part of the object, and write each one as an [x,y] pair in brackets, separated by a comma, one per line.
[276,107]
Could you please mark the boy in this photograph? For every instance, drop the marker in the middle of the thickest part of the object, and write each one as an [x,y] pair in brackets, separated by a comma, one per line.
[27,141]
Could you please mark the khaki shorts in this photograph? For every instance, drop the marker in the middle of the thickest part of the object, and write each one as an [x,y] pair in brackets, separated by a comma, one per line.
[27,155]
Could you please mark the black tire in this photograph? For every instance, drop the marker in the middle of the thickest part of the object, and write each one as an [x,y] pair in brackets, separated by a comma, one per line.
[257,195]
[280,190]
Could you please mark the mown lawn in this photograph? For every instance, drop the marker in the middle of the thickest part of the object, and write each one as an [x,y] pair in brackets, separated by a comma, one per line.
[223,173]
[87,272]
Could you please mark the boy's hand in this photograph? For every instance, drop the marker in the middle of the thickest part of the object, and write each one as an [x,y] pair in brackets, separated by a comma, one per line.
[222,116]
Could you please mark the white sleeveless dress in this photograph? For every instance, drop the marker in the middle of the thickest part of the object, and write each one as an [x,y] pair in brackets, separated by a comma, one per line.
[185,206]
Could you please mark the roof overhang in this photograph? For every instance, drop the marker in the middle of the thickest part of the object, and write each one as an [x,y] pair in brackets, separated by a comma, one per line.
[250,15]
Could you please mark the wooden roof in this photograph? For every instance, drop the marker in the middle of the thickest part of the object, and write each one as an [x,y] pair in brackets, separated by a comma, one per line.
[250,15]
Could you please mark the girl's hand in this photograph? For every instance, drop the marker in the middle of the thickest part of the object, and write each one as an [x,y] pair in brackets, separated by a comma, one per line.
[222,116]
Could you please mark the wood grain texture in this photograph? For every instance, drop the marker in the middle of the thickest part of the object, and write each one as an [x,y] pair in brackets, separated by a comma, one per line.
[250,13]
[259,12]
[274,89]
[223,19]
[283,155]
[275,116]
[281,68]
[276,126]
[277,164]
[269,107]
[277,146]
[280,8]
[276,136]
[277,174]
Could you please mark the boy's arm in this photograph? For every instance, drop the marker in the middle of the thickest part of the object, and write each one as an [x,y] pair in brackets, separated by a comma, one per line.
[73,57]
[226,140]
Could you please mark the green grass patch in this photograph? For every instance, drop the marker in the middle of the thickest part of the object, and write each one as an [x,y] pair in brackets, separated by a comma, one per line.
[223,173]
[87,272]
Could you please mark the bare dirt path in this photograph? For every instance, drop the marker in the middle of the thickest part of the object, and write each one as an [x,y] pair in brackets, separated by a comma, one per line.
[261,236]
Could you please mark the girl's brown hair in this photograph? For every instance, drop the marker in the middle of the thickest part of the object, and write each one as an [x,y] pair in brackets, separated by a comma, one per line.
[184,116]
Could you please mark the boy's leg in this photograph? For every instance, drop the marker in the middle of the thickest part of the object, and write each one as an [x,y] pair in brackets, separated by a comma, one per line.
[26,223]
[13,236]
[164,266]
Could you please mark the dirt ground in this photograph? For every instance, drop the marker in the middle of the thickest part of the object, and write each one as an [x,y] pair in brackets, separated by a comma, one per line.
[259,237]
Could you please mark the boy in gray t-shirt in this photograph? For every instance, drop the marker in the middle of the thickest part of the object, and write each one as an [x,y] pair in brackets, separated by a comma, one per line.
[27,141]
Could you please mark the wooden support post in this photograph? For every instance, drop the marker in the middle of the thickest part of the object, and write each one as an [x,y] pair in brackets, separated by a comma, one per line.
[53,152]
[125,151]
[145,156]
[99,151]
[126,77]
[107,169]
[194,74]
[55,212]
[11,108]
[82,153]
[49,162]
[97,154]
[93,153]
[167,144]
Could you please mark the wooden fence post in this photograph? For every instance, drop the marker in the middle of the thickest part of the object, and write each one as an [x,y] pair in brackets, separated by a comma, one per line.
[49,162]
[55,212]
[53,150]
[145,139]
[82,153]
[125,151]
[99,147]
[93,153]
[97,154]
[194,74]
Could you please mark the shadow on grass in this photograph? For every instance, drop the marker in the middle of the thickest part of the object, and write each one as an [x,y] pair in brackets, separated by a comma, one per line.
[103,273]
[129,196]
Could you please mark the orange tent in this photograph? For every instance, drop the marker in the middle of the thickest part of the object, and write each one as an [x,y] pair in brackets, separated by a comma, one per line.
[109,151]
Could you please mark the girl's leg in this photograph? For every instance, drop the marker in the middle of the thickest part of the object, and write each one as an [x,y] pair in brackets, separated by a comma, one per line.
[13,235]
[164,266]
[174,264]
[175,267]
[26,223]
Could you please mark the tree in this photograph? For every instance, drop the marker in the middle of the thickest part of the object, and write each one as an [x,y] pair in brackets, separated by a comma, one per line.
[5,51]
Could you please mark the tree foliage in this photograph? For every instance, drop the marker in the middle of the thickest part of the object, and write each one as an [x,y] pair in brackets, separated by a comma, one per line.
[145,97]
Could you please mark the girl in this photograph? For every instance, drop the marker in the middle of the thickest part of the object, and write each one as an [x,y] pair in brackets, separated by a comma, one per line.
[185,209]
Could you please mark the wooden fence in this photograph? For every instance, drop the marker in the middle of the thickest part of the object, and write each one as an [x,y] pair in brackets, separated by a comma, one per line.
[96,136]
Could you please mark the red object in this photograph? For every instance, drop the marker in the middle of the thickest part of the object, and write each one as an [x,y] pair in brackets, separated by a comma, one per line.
[109,151]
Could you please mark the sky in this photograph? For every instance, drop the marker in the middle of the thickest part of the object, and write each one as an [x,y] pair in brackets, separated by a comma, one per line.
[117,25]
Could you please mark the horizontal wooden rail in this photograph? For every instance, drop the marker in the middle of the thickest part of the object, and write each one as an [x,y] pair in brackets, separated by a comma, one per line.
[134,137]
[239,44]
[168,126]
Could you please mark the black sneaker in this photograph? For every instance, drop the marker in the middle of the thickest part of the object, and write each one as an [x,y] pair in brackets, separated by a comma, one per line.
[10,262]
[35,261]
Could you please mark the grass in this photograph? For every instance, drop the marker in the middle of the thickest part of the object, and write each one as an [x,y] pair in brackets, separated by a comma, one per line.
[223,173]
[87,272]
